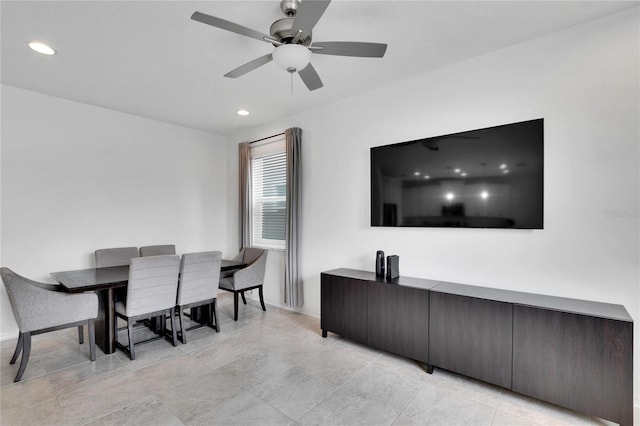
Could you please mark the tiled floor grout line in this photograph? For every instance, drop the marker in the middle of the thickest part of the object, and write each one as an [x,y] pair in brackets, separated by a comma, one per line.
[334,391]
[493,416]
[408,404]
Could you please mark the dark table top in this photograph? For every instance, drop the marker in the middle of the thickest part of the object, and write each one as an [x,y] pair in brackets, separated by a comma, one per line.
[112,277]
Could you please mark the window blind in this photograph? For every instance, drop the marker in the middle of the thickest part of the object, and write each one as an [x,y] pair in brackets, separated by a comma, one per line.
[268,194]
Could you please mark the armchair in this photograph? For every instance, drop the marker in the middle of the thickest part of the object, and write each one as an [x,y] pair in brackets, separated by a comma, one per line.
[248,278]
[39,308]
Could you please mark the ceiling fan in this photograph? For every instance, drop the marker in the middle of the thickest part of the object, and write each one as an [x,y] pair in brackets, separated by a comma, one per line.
[291,37]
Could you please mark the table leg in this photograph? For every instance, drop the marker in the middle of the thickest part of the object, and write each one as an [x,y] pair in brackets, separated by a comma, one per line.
[200,315]
[105,323]
[158,324]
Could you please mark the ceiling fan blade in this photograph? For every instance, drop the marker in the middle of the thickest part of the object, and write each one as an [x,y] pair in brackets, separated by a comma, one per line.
[350,48]
[308,16]
[231,26]
[249,66]
[310,77]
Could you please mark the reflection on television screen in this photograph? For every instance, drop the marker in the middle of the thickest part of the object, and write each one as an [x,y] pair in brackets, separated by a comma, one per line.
[485,178]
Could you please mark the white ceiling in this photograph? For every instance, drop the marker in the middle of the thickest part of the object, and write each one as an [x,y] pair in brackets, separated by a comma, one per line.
[150,59]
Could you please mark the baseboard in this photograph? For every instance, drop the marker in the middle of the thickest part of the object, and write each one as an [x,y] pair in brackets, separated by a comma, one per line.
[9,335]
[254,296]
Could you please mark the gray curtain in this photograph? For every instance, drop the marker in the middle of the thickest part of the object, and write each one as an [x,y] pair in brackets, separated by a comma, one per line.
[292,283]
[245,194]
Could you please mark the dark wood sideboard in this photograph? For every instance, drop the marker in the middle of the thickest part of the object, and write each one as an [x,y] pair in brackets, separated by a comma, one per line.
[573,353]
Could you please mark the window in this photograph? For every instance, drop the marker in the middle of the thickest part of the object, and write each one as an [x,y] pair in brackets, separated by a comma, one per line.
[268,194]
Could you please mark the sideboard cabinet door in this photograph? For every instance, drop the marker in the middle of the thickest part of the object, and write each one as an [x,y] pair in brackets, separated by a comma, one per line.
[577,361]
[471,336]
[399,320]
[343,307]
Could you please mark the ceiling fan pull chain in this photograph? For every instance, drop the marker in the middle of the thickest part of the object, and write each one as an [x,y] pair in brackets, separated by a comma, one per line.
[291,76]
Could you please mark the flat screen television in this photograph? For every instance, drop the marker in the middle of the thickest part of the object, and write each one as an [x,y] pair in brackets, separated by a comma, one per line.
[485,178]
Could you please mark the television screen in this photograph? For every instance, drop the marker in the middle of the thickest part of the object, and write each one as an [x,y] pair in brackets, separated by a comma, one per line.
[485,178]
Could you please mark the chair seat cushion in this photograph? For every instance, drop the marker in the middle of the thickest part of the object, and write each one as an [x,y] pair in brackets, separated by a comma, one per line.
[227,283]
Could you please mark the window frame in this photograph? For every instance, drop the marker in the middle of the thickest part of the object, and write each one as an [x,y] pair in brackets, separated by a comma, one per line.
[272,146]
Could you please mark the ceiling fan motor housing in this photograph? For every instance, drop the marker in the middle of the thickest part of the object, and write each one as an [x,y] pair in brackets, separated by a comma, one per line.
[282,31]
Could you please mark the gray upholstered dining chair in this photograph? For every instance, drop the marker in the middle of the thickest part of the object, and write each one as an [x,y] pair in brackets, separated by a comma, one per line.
[158,250]
[39,308]
[151,292]
[115,256]
[247,278]
[198,286]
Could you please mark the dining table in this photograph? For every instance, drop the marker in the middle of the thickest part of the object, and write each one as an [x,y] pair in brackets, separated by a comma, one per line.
[104,281]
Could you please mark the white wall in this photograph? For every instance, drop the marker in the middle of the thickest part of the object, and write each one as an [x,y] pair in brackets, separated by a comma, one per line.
[76,178]
[584,82]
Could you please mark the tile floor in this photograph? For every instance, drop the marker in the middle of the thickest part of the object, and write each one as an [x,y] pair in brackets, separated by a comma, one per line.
[267,368]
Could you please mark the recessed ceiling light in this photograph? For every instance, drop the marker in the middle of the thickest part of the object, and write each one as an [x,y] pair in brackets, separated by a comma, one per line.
[503,166]
[42,48]
[427,176]
[416,173]
[242,112]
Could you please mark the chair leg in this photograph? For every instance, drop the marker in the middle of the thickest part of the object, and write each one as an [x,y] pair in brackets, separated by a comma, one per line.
[261,298]
[174,339]
[26,351]
[80,334]
[132,353]
[243,299]
[215,315]
[163,324]
[92,340]
[235,306]
[209,315]
[183,334]
[16,353]
[115,327]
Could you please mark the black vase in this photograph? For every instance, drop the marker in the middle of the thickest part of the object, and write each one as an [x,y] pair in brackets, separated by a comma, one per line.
[380,263]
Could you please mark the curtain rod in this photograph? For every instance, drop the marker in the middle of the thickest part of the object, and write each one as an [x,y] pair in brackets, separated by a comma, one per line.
[268,137]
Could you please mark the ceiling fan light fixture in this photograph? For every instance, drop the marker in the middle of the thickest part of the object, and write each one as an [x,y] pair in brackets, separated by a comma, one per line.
[41,48]
[292,57]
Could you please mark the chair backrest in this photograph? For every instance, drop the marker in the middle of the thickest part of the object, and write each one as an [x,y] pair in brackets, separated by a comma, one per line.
[199,277]
[115,256]
[253,274]
[35,307]
[153,282]
[19,295]
[157,250]
[251,254]
[247,255]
